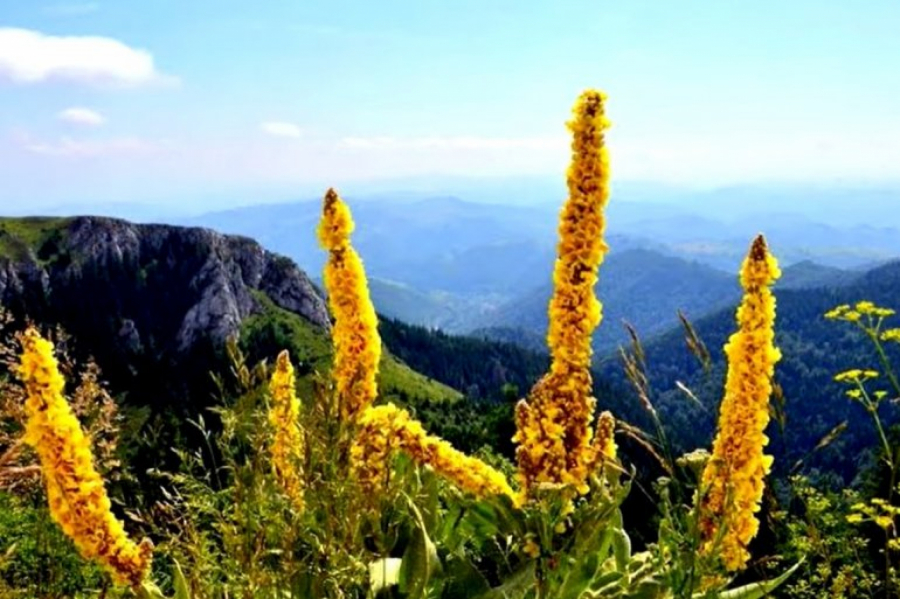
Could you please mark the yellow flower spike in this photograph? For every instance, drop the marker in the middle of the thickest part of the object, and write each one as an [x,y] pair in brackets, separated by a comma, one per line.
[733,479]
[387,428]
[75,491]
[604,443]
[357,345]
[287,444]
[553,425]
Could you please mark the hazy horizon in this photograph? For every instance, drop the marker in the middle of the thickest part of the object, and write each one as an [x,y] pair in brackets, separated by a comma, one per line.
[175,105]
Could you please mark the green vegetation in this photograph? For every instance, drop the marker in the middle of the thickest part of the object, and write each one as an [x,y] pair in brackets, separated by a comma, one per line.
[36,558]
[38,237]
[274,329]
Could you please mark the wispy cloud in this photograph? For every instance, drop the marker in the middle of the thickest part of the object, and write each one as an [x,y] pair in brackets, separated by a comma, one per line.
[28,57]
[81,116]
[454,143]
[71,9]
[281,129]
[68,147]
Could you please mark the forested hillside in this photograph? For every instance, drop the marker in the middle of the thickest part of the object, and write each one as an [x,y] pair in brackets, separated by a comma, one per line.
[814,351]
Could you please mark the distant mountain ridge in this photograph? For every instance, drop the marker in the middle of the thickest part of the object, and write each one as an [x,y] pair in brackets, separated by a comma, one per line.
[463,266]
[639,286]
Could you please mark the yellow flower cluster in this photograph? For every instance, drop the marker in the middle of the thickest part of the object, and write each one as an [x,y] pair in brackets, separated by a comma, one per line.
[355,336]
[76,496]
[553,425]
[855,375]
[877,510]
[855,313]
[733,479]
[287,442]
[384,429]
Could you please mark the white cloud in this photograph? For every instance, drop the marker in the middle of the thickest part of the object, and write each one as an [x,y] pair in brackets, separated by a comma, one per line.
[455,143]
[281,129]
[81,116]
[28,57]
[89,148]
[75,9]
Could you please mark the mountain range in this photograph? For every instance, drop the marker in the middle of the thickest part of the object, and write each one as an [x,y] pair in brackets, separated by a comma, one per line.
[485,269]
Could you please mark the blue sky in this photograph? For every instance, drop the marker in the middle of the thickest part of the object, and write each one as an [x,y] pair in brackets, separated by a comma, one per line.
[171,101]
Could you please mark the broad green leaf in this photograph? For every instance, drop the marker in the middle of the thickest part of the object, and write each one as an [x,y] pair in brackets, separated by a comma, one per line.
[621,548]
[758,589]
[516,586]
[419,560]
[464,579]
[580,576]
[182,590]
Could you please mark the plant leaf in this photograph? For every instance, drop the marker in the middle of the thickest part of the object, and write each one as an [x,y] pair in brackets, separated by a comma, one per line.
[179,582]
[758,589]
[419,560]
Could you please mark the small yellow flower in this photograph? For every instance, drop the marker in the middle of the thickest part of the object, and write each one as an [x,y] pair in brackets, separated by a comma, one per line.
[357,345]
[75,491]
[287,442]
[733,478]
[837,312]
[531,549]
[865,307]
[891,335]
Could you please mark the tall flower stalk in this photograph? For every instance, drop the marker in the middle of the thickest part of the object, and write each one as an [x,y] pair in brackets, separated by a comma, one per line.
[553,424]
[385,429]
[733,480]
[357,344]
[75,491]
[287,441]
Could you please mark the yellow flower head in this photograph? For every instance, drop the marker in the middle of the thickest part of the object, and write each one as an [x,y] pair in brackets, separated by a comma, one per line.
[357,346]
[287,444]
[553,425]
[385,429]
[734,476]
[75,492]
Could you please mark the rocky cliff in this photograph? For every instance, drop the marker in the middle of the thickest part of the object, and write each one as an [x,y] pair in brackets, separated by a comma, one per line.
[202,282]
